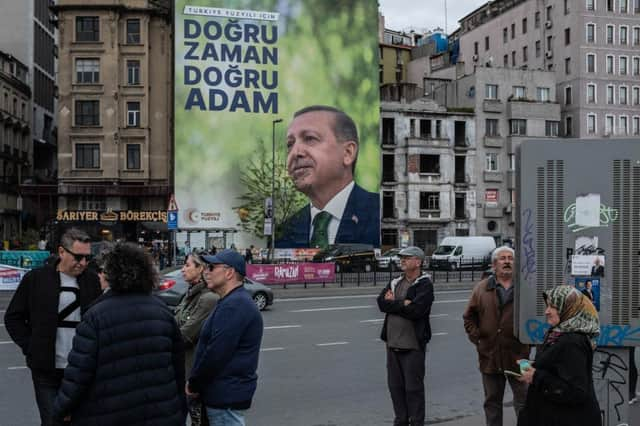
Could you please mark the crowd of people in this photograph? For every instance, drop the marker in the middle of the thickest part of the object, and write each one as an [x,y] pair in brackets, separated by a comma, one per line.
[103,351]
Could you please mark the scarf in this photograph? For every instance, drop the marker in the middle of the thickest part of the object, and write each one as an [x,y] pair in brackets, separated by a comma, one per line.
[576,311]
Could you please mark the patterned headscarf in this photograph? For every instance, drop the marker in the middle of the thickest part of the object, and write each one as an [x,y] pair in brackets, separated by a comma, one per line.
[577,313]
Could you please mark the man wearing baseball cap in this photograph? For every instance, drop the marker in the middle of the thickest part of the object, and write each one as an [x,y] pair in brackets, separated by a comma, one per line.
[406,301]
[226,360]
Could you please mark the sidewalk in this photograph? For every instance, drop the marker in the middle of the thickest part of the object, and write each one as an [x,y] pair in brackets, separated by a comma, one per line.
[509,419]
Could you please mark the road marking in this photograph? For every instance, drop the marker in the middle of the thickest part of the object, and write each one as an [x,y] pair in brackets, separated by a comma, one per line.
[271,349]
[374,320]
[356,296]
[16,368]
[340,308]
[452,301]
[1,325]
[439,334]
[438,315]
[276,327]
[6,342]
[332,344]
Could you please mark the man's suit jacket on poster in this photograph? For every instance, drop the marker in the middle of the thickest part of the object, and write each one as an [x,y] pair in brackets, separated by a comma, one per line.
[360,222]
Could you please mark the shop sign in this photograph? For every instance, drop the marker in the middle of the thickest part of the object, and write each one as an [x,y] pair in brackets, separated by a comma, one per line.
[112,216]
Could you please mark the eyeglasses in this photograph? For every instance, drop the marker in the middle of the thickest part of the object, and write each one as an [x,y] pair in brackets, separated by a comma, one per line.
[212,266]
[78,257]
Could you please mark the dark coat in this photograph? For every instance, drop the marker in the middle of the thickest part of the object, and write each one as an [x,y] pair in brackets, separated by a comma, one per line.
[421,295]
[360,222]
[489,326]
[32,315]
[562,392]
[126,366]
[224,369]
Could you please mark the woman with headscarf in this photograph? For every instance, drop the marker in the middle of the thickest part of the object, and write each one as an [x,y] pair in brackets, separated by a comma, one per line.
[560,381]
[194,308]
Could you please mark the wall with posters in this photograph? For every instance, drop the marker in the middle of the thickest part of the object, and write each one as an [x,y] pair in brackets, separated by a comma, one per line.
[240,74]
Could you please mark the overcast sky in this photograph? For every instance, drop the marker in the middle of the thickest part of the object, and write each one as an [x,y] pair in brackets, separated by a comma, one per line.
[425,14]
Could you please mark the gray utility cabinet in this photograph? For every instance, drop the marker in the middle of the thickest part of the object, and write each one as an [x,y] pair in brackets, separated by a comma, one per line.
[578,223]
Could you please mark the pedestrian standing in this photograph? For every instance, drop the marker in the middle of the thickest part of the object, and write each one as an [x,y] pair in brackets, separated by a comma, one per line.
[248,254]
[406,302]
[224,370]
[488,321]
[193,310]
[44,312]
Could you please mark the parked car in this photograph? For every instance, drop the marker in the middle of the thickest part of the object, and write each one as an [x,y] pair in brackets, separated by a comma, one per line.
[463,252]
[348,257]
[389,259]
[173,286]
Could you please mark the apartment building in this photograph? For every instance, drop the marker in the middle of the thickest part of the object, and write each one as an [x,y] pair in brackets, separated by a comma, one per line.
[428,169]
[115,114]
[592,46]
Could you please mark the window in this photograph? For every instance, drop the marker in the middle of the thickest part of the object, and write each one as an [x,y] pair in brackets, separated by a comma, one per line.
[609,34]
[92,202]
[133,114]
[568,96]
[133,31]
[551,128]
[87,156]
[538,48]
[87,113]
[438,129]
[623,65]
[524,25]
[518,127]
[591,62]
[635,65]
[513,58]
[549,42]
[133,73]
[635,96]
[622,95]
[566,7]
[591,5]
[548,15]
[486,43]
[591,124]
[610,99]
[519,92]
[567,66]
[505,61]
[513,31]
[624,125]
[87,28]
[608,125]
[475,47]
[591,93]
[624,35]
[133,156]
[542,94]
[609,5]
[491,127]
[505,35]
[567,36]
[87,71]
[491,91]
[388,131]
[491,162]
[512,161]
[425,129]
[636,125]
[636,36]
[525,54]
[624,6]
[429,201]
[609,64]
[636,6]
[568,126]
[429,164]
[536,20]
[591,33]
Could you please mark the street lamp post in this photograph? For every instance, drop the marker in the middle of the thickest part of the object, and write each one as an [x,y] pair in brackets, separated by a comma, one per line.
[273,184]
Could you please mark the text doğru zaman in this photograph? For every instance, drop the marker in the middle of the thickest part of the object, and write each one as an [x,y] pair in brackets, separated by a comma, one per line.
[245,89]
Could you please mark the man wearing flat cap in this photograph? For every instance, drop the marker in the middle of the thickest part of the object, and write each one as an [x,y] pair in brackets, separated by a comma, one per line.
[226,360]
[406,301]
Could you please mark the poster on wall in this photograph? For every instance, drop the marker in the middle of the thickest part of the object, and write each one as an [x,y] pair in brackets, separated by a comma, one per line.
[590,287]
[278,97]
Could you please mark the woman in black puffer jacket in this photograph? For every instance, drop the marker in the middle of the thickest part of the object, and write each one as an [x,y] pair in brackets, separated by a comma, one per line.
[126,366]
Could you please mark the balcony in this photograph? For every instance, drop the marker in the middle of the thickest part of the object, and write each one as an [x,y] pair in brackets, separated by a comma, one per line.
[462,144]
[429,214]
[492,141]
[461,179]
[490,176]
[432,142]
[492,105]
[533,110]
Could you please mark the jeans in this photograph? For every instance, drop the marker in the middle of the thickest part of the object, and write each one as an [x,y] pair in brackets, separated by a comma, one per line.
[225,417]
[46,384]
[405,377]
[494,385]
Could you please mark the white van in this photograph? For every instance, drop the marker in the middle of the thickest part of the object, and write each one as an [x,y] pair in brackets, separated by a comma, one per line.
[460,252]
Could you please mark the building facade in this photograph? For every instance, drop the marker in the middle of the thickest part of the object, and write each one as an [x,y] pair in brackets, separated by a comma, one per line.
[115,114]
[592,46]
[428,170]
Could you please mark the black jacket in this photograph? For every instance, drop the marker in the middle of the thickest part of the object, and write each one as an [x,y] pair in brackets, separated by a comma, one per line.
[126,366]
[32,315]
[421,295]
[562,392]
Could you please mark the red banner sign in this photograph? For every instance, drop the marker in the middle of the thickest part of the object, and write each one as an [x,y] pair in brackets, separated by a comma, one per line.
[289,273]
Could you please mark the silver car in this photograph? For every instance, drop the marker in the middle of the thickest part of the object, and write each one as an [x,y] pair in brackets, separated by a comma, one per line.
[173,287]
[389,259]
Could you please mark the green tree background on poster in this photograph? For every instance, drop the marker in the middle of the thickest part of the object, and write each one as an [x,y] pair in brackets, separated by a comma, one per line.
[327,55]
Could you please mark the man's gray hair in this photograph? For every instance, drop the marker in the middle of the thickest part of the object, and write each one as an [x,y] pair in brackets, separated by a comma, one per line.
[494,255]
[72,235]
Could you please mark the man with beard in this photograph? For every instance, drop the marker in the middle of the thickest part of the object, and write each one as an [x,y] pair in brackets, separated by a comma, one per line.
[488,321]
[322,146]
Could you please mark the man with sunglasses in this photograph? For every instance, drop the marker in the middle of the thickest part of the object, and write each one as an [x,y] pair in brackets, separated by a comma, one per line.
[44,312]
[224,370]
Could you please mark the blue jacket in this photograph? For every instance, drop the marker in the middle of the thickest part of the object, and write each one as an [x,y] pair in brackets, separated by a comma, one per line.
[360,222]
[224,370]
[126,366]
